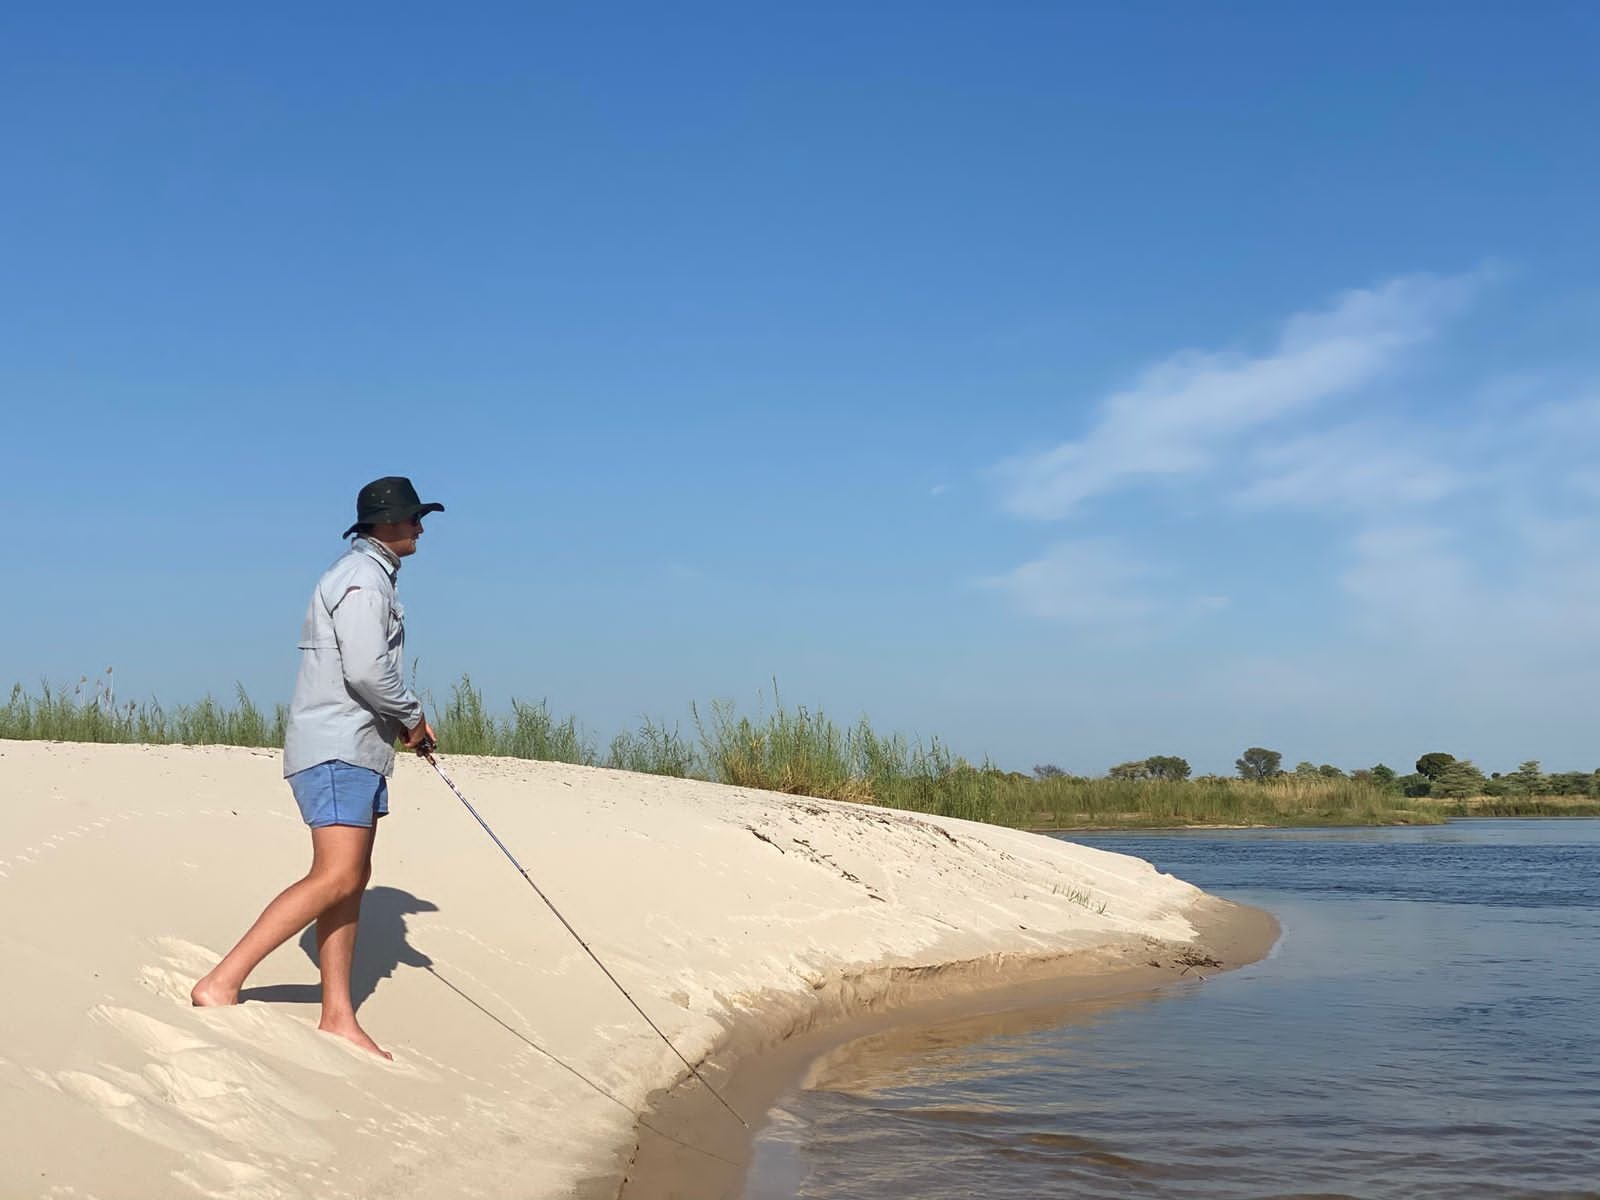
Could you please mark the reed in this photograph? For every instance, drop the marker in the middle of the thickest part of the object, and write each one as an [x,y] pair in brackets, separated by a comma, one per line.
[1114,803]
[653,750]
[56,714]
[1519,806]
[465,726]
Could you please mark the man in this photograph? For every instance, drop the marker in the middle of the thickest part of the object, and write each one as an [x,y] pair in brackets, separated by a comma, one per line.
[350,706]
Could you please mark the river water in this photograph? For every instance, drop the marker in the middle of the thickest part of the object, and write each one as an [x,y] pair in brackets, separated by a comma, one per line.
[1428,1026]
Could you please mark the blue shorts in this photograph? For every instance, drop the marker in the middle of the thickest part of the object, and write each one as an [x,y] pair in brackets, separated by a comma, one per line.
[339,793]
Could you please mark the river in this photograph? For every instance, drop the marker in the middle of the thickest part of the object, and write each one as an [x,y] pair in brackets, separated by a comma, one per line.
[1426,1027]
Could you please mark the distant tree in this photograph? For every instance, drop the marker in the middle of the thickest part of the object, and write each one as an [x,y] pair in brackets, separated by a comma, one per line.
[1129,770]
[1306,770]
[994,772]
[1459,780]
[1433,765]
[1329,771]
[1383,776]
[1567,783]
[1259,763]
[1048,771]
[960,769]
[1414,785]
[1527,780]
[1363,775]
[1167,766]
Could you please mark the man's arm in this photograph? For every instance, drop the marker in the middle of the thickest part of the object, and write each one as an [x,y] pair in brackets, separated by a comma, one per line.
[361,627]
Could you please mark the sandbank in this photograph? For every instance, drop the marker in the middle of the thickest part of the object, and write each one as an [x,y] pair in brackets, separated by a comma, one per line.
[755,929]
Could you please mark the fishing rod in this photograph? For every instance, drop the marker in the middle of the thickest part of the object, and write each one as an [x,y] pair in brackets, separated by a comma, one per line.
[426,748]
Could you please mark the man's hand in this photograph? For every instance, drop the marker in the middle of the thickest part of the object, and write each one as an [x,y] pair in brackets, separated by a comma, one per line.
[421,739]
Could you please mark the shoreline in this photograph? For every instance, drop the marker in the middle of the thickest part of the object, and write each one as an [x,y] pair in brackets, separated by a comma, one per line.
[689,1148]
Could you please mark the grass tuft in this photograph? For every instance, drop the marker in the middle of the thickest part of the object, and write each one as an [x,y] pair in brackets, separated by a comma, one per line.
[653,750]
[467,727]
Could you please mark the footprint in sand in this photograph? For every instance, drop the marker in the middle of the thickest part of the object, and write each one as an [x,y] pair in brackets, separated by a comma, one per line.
[216,1089]
[222,1179]
[194,1096]
[263,1028]
[181,963]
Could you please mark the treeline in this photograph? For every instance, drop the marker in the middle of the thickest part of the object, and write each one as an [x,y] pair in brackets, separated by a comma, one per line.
[1444,775]
[1436,775]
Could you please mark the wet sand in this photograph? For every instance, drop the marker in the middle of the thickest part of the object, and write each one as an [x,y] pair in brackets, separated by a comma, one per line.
[690,1148]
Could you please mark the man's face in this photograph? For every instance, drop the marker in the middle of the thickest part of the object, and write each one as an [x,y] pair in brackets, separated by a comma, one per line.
[399,536]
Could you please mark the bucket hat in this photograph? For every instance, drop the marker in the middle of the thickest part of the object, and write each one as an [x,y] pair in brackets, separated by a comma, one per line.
[391,498]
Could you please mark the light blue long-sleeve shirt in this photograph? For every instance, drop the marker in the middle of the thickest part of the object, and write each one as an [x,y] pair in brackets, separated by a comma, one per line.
[350,701]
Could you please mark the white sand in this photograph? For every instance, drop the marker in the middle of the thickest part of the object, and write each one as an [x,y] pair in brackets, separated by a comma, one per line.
[125,872]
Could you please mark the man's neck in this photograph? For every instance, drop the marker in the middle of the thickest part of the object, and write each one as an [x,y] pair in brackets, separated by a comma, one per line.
[388,555]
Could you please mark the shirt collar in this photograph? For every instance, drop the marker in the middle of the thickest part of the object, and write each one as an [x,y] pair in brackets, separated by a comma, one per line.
[382,553]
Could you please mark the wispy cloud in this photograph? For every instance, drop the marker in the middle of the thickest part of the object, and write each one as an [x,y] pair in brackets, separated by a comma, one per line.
[1458,531]
[1413,551]
[1529,602]
[1095,582]
[1408,580]
[1585,480]
[1179,412]
[1575,417]
[1358,468]
[1090,581]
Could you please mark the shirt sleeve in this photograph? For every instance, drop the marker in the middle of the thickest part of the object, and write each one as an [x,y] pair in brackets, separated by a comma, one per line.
[361,627]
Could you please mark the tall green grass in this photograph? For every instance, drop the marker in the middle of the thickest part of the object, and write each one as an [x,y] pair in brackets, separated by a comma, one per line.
[653,749]
[800,751]
[806,753]
[63,716]
[465,726]
[1071,803]
[1520,806]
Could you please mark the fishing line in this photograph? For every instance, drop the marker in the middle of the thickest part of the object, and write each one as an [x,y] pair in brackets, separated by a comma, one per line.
[426,750]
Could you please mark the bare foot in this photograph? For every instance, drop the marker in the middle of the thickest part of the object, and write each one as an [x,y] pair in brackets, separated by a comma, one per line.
[351,1032]
[208,993]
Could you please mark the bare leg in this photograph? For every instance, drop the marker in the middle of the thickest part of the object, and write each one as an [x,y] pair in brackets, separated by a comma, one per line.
[336,948]
[341,859]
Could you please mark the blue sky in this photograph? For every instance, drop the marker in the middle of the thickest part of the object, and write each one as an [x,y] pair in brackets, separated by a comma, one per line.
[1072,383]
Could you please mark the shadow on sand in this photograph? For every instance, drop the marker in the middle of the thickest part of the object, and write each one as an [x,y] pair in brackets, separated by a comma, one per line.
[381,946]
